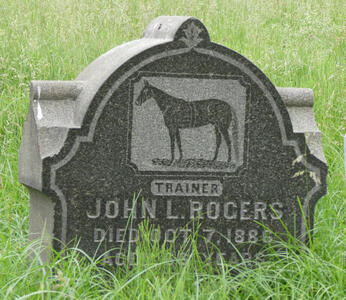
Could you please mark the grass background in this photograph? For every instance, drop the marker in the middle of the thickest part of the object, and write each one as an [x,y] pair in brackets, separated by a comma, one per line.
[295,43]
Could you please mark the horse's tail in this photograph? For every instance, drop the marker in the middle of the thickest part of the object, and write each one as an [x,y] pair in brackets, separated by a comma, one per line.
[235,141]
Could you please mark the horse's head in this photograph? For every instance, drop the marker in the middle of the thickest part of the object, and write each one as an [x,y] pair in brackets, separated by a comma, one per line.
[146,93]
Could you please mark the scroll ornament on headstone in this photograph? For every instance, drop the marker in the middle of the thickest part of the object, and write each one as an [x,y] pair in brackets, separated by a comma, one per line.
[193,126]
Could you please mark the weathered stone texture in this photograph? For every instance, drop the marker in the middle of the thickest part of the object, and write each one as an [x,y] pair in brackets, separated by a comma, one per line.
[194,126]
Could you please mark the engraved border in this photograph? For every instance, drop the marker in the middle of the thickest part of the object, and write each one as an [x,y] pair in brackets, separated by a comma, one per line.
[241,65]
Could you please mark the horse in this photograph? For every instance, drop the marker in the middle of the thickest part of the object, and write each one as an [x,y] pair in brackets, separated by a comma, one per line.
[179,114]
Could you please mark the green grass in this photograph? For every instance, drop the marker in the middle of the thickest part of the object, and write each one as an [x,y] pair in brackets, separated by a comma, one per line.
[295,43]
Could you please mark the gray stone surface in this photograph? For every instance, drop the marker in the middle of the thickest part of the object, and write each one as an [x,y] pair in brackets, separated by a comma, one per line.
[299,103]
[194,126]
[41,221]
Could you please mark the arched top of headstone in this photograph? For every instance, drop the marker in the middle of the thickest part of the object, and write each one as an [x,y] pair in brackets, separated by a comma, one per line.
[187,29]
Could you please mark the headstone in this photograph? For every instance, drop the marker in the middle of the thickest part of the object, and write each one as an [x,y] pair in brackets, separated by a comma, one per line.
[194,127]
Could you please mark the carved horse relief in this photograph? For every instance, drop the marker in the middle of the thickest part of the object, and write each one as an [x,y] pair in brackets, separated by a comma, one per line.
[179,114]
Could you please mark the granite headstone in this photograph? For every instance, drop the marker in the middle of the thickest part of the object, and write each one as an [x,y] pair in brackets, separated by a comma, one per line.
[194,127]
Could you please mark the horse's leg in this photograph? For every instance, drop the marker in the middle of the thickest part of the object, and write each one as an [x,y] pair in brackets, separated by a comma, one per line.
[177,135]
[218,142]
[172,137]
[225,134]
